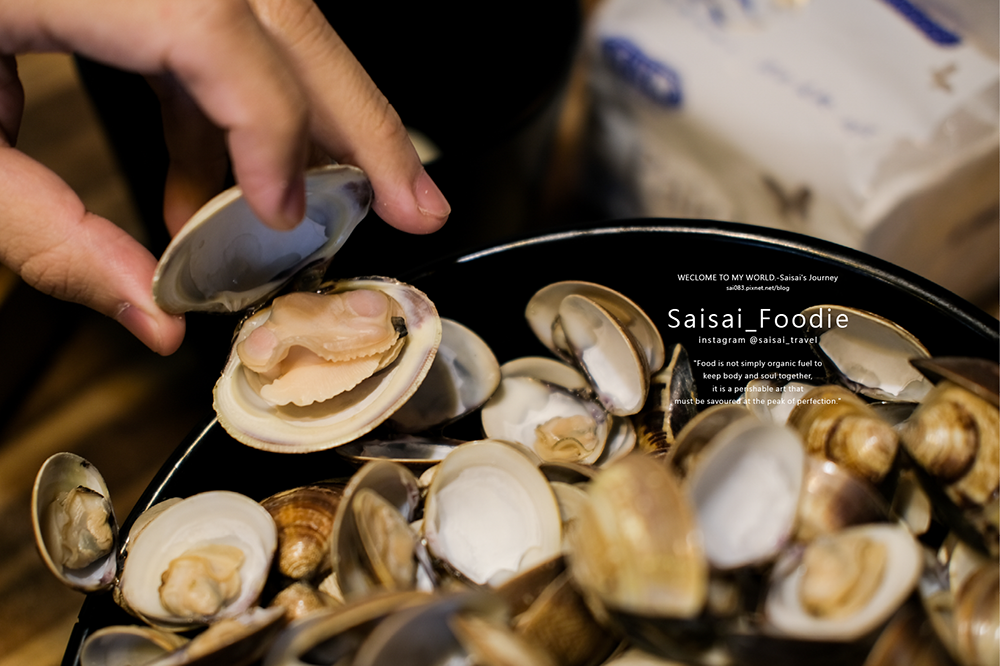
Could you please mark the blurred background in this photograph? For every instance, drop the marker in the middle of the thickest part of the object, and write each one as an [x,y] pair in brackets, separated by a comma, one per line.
[744,111]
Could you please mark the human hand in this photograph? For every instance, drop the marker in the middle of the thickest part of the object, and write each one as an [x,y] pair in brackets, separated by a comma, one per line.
[237,75]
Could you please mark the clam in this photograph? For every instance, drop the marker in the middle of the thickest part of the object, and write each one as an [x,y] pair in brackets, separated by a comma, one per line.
[960,590]
[322,365]
[557,618]
[977,616]
[671,403]
[955,436]
[843,585]
[463,376]
[304,518]
[745,490]
[836,424]
[542,313]
[554,422]
[869,353]
[373,546]
[203,559]
[635,551]
[699,431]
[74,523]
[490,513]
[606,353]
[834,498]
[635,544]
[226,260]
[327,397]
[127,644]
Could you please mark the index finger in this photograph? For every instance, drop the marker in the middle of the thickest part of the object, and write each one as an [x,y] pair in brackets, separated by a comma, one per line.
[219,52]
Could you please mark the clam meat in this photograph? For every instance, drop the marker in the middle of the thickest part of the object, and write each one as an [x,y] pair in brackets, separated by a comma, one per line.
[74,523]
[296,384]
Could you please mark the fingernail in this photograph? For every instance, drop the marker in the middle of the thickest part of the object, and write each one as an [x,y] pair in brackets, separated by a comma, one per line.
[293,203]
[138,323]
[430,201]
[143,326]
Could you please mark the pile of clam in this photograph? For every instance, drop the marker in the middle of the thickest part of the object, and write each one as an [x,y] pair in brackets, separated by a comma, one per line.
[602,518]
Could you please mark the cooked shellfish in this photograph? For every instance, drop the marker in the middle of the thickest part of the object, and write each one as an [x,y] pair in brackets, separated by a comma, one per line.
[391,377]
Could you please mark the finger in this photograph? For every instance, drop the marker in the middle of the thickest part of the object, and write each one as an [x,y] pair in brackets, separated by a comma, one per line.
[219,53]
[48,237]
[197,148]
[351,119]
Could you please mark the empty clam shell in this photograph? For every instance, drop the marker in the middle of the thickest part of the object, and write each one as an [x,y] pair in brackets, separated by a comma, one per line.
[745,490]
[869,353]
[490,513]
[225,259]
[465,373]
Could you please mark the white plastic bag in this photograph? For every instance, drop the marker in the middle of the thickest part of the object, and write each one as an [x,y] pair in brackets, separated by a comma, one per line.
[867,122]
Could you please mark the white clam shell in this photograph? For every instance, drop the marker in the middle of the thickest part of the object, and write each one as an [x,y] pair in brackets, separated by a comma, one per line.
[250,419]
[213,517]
[607,353]
[523,404]
[543,308]
[465,373]
[128,644]
[784,611]
[745,489]
[225,259]
[490,513]
[870,352]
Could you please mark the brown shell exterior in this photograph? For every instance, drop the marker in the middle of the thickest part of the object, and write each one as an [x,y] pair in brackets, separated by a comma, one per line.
[304,517]
[836,424]
[955,436]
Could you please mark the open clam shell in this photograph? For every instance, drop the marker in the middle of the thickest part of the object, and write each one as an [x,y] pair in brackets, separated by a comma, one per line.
[128,644]
[372,544]
[225,259]
[601,346]
[188,531]
[554,422]
[74,522]
[745,490]
[869,353]
[542,313]
[802,601]
[490,512]
[257,422]
[465,373]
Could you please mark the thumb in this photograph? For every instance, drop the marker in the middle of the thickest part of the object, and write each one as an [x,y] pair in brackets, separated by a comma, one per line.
[49,238]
